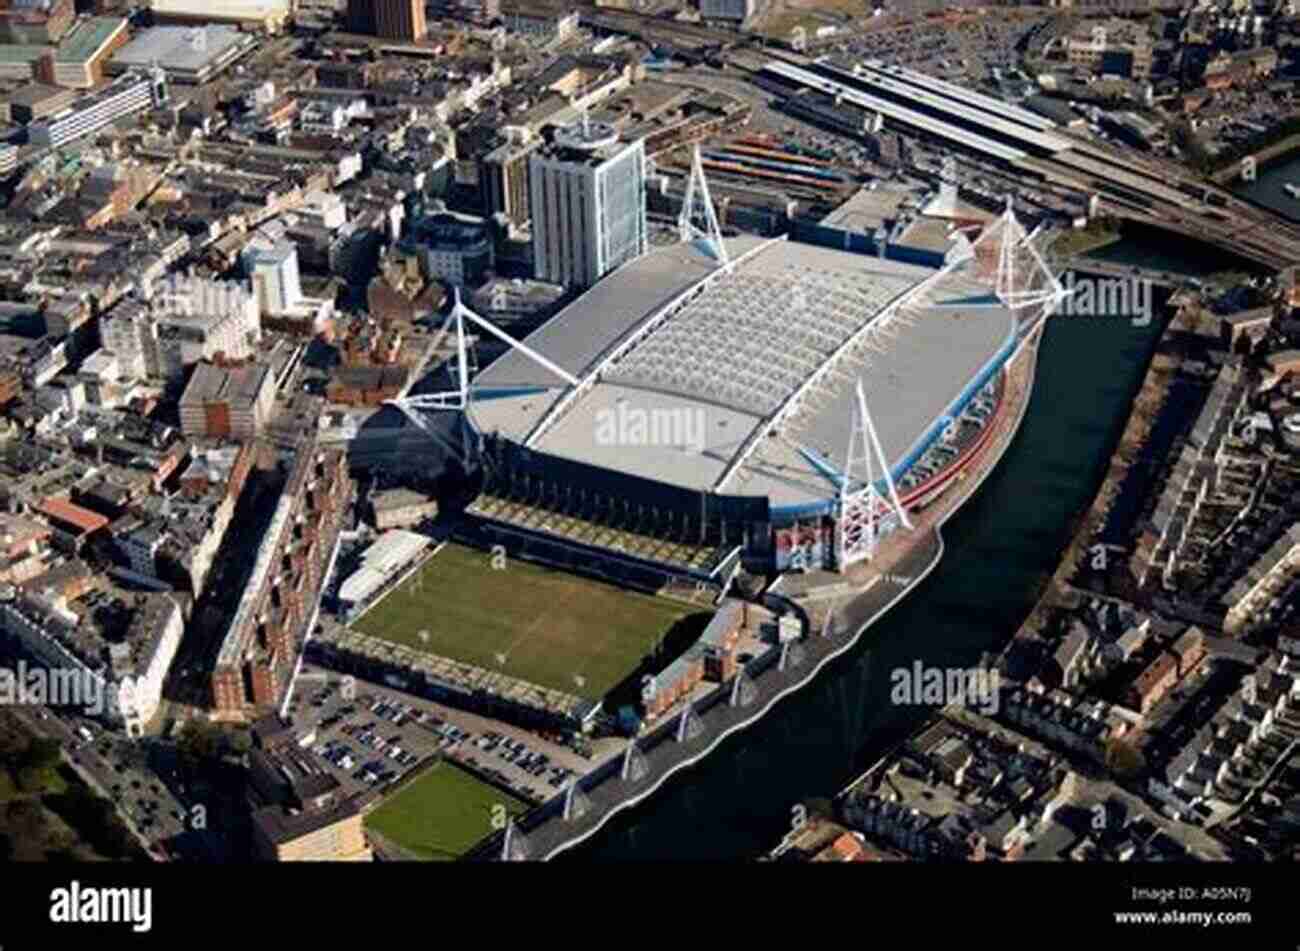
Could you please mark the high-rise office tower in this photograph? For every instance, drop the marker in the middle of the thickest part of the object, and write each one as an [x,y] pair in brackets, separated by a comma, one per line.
[390,19]
[587,202]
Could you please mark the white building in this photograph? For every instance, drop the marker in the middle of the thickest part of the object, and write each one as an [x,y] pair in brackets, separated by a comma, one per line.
[319,118]
[588,204]
[273,269]
[127,676]
[157,627]
[200,319]
[129,334]
[130,94]
[325,209]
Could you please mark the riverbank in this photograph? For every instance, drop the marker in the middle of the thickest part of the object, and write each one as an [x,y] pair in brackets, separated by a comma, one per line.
[1071,244]
[1146,406]
[1279,151]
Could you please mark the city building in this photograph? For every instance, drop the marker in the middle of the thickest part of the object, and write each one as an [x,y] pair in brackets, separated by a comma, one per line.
[72,524]
[25,63]
[268,15]
[300,813]
[130,94]
[1114,47]
[503,178]
[727,9]
[125,654]
[80,59]
[389,19]
[588,204]
[270,619]
[36,101]
[186,54]
[546,21]
[273,270]
[399,508]
[458,249]
[383,564]
[1153,683]
[32,22]
[130,335]
[183,321]
[230,402]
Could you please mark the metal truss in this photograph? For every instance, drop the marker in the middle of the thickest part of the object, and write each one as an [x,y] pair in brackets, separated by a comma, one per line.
[1022,278]
[697,193]
[862,510]
[457,400]
[856,347]
[751,341]
[635,339]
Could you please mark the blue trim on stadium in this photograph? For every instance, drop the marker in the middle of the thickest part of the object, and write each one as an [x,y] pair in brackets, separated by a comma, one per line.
[504,392]
[789,513]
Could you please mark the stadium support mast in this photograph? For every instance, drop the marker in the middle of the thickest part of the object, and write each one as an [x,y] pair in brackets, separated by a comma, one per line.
[458,399]
[862,508]
[1029,283]
[697,191]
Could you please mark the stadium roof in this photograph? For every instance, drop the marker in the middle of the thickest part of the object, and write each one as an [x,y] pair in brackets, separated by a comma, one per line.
[713,374]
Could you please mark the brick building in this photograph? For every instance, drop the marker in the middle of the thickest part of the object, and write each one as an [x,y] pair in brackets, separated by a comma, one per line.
[227,402]
[266,631]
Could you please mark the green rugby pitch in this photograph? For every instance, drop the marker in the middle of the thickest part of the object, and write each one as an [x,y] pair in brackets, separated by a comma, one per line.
[550,627]
[441,814]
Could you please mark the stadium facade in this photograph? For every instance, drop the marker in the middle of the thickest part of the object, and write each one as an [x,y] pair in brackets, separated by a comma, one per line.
[787,402]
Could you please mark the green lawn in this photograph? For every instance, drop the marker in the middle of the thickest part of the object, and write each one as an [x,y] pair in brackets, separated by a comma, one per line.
[550,627]
[442,813]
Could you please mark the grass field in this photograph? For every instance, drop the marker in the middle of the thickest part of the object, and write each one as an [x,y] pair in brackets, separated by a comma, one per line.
[442,813]
[549,627]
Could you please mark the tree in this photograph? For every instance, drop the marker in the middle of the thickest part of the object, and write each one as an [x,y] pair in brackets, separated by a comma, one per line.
[41,753]
[240,742]
[1122,758]
[198,743]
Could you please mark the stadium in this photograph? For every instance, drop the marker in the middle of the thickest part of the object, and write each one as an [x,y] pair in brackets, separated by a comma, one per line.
[745,400]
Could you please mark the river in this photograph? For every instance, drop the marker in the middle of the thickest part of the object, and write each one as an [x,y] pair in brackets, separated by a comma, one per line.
[1000,547]
[1267,188]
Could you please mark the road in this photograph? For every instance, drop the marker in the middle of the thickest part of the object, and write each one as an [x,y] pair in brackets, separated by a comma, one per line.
[116,768]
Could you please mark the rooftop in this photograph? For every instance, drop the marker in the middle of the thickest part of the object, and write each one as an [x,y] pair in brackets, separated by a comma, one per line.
[736,353]
[183,48]
[212,384]
[88,38]
[81,518]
